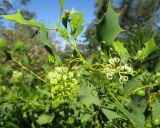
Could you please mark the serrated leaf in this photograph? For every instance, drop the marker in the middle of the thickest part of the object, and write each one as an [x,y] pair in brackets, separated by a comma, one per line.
[111,114]
[87,97]
[42,30]
[149,48]
[76,23]
[44,119]
[109,27]
[17,17]
[122,51]
[156,109]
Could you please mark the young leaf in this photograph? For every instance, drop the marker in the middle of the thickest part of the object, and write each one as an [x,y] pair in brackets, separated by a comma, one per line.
[122,51]
[76,23]
[149,48]
[65,18]
[109,27]
[87,97]
[17,17]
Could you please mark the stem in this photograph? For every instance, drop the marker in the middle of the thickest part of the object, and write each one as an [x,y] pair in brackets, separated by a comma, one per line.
[52,29]
[75,60]
[73,44]
[27,102]
[110,93]
[143,87]
[30,71]
[133,49]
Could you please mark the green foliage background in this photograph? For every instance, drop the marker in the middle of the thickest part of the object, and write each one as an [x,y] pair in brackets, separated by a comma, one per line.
[119,87]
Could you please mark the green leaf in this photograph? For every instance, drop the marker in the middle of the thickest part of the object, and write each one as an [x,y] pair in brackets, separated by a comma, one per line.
[17,17]
[111,114]
[86,117]
[157,66]
[133,118]
[44,119]
[131,85]
[149,48]
[11,124]
[76,23]
[122,51]
[42,30]
[87,96]
[138,107]
[109,27]
[44,38]
[156,109]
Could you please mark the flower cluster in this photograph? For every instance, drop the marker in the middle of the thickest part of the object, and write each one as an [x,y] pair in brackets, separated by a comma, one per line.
[116,67]
[63,33]
[17,76]
[63,85]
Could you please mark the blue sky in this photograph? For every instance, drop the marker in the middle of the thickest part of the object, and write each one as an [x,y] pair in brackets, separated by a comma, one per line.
[47,11]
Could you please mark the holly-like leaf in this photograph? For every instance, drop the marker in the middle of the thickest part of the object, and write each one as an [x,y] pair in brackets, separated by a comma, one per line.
[76,23]
[88,96]
[149,48]
[42,30]
[109,27]
[17,17]
[122,51]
